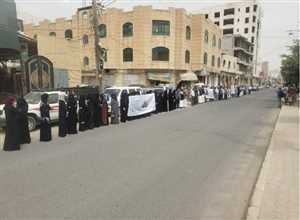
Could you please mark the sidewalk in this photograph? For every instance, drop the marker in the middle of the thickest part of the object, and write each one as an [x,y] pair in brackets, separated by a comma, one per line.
[276,195]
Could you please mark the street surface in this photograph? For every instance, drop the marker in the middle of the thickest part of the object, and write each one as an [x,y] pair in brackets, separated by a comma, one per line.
[197,163]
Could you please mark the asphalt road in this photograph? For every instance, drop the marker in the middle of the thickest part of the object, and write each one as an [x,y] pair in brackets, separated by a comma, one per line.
[197,163]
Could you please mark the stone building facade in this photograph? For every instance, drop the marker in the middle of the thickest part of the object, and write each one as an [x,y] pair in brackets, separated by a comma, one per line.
[144,46]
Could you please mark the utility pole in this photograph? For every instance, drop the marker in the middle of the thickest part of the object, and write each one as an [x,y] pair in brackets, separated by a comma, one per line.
[97,46]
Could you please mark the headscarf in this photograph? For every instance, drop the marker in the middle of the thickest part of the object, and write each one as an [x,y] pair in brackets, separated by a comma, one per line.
[10,101]
[44,98]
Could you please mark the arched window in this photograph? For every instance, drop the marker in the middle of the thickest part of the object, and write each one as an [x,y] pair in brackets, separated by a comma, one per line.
[69,34]
[188,33]
[52,34]
[205,58]
[128,55]
[85,39]
[86,61]
[219,61]
[206,36]
[102,30]
[160,54]
[214,42]
[213,60]
[127,29]
[220,44]
[187,56]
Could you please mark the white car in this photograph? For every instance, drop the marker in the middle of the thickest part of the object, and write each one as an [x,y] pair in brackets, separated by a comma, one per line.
[34,100]
[118,91]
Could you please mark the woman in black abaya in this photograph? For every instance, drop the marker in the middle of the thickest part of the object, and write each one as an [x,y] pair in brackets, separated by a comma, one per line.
[62,117]
[12,132]
[72,114]
[22,108]
[45,125]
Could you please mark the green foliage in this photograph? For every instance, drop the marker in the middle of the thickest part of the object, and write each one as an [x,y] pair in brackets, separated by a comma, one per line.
[290,65]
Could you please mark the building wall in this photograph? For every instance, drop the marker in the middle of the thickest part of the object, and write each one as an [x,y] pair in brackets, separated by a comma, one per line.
[240,24]
[69,54]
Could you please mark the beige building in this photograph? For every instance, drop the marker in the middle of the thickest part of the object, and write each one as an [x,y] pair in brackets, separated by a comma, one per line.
[144,46]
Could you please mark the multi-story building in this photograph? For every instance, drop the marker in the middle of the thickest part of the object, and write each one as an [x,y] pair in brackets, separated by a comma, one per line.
[239,47]
[143,46]
[239,18]
[230,74]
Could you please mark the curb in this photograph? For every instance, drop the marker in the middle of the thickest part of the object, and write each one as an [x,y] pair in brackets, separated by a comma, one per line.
[259,188]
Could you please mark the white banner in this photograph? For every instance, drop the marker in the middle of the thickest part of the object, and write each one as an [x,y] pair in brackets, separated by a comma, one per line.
[141,104]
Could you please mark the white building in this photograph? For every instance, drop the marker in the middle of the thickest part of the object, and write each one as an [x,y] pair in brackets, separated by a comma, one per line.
[239,18]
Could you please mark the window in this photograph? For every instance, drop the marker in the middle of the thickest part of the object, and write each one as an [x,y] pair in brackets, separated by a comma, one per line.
[254,8]
[228,21]
[160,27]
[35,36]
[229,64]
[188,32]
[128,55]
[217,14]
[247,9]
[246,20]
[187,56]
[214,41]
[53,98]
[229,11]
[68,34]
[205,58]
[237,30]
[85,39]
[52,34]
[224,63]
[253,29]
[206,38]
[160,54]
[102,30]
[86,61]
[254,19]
[213,60]
[238,20]
[219,61]
[206,16]
[217,23]
[127,29]
[220,43]
[252,39]
[246,31]
[228,31]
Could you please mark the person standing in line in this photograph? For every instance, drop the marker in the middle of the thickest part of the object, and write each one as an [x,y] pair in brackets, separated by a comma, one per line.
[238,91]
[82,114]
[97,111]
[124,105]
[12,130]
[104,111]
[45,125]
[90,116]
[114,109]
[22,107]
[72,114]
[62,117]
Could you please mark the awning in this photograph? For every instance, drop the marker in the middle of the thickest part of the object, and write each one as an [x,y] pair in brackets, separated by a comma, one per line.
[189,76]
[162,77]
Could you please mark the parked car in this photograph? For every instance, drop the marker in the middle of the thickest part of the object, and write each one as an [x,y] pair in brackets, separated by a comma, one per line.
[34,100]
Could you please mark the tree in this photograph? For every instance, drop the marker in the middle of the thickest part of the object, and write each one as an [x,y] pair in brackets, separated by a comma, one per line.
[290,65]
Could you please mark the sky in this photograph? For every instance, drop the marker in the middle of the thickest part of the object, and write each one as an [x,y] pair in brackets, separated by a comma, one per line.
[279,16]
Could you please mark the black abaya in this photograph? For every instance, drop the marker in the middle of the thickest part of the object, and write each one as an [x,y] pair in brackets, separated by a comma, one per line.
[45,125]
[12,131]
[22,108]
[72,115]
[62,116]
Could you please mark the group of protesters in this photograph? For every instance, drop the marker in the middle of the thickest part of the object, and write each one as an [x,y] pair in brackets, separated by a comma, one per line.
[86,112]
